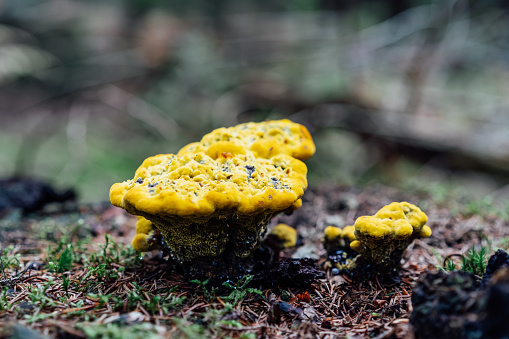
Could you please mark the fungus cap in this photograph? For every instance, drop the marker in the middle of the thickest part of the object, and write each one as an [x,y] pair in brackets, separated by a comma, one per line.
[266,139]
[200,204]
[335,238]
[331,233]
[287,235]
[195,184]
[399,220]
[143,226]
[140,242]
[403,210]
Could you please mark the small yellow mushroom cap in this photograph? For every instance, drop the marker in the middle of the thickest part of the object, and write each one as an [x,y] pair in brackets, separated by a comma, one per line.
[356,246]
[398,219]
[143,226]
[349,232]
[265,139]
[425,231]
[140,242]
[331,233]
[336,238]
[287,235]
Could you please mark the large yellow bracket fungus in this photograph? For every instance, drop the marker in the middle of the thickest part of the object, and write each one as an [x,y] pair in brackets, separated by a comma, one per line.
[206,202]
[265,139]
[382,238]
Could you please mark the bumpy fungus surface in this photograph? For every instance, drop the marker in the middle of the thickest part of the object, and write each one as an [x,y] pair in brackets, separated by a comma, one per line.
[265,139]
[382,238]
[286,235]
[203,205]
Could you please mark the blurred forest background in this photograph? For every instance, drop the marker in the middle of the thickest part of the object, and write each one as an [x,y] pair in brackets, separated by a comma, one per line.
[411,93]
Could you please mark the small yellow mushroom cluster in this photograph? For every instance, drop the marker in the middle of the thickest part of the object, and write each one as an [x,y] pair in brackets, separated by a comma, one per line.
[337,241]
[338,238]
[216,195]
[382,238]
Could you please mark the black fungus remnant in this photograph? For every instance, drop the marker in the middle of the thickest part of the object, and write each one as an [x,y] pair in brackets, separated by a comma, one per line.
[250,170]
[457,305]
[139,181]
[30,194]
[497,261]
[445,305]
[154,184]
[298,273]
[276,183]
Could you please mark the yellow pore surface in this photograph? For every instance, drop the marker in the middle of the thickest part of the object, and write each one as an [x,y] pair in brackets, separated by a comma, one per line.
[265,139]
[397,220]
[199,185]
[286,234]
[332,233]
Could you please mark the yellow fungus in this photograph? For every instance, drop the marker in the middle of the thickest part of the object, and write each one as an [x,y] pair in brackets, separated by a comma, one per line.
[383,237]
[143,226]
[203,205]
[287,235]
[335,238]
[265,139]
[140,242]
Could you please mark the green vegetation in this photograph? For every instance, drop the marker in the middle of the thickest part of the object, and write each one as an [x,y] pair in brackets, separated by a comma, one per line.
[474,261]
[86,280]
[65,261]
[239,290]
[119,331]
[10,260]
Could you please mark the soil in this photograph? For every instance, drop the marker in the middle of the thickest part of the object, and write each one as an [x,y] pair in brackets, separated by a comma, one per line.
[299,298]
[459,305]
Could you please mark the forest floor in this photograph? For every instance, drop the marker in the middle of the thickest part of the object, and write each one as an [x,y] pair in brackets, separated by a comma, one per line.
[71,273]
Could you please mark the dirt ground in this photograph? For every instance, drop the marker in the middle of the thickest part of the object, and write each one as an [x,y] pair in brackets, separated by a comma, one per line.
[63,279]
